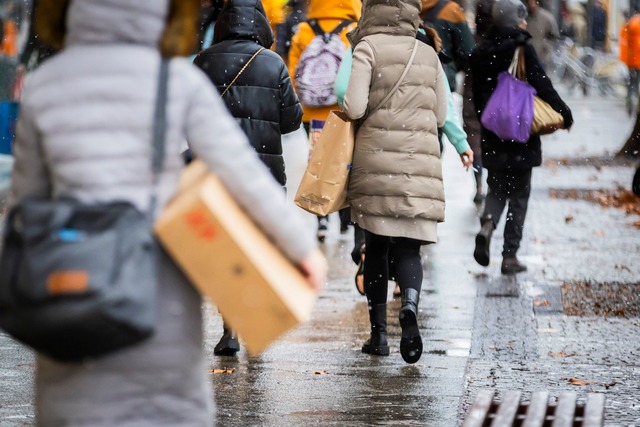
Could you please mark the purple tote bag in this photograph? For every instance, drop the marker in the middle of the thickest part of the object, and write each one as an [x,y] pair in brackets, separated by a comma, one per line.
[509,111]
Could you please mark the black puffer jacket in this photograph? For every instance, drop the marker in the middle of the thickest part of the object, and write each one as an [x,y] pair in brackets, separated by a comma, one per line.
[487,60]
[262,99]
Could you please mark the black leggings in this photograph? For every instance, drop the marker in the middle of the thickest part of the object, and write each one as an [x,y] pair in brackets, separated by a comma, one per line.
[404,253]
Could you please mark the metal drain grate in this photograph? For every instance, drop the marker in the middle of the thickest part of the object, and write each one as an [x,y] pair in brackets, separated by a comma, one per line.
[486,412]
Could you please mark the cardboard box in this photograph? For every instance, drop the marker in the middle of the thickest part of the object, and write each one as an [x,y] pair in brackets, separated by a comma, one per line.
[257,290]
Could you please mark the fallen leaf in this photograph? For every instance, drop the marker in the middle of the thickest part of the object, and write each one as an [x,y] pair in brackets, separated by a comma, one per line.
[578,381]
[622,267]
[599,233]
[320,372]
[609,385]
[568,219]
[222,371]
[492,347]
[540,302]
[636,224]
[560,354]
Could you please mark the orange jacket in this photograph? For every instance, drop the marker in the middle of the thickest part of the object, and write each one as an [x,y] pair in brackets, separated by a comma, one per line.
[630,43]
[8,44]
[329,13]
[274,10]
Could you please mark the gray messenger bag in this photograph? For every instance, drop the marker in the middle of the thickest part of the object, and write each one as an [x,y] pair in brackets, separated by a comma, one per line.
[78,280]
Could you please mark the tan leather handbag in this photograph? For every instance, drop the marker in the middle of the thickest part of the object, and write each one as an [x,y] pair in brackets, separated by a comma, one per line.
[546,120]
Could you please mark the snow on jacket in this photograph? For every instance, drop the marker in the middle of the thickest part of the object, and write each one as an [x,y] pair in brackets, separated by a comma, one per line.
[329,13]
[85,131]
[492,56]
[262,99]
[395,186]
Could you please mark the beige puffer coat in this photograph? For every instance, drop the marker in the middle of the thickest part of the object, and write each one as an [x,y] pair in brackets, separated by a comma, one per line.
[395,186]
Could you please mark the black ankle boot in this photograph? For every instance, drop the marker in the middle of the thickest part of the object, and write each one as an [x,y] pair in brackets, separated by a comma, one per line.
[511,265]
[228,344]
[377,343]
[411,342]
[483,241]
[479,197]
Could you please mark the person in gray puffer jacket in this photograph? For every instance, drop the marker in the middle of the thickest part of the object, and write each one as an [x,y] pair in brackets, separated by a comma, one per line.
[395,185]
[85,131]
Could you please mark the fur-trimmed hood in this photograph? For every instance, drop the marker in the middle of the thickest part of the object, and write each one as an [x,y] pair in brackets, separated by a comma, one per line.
[396,17]
[170,25]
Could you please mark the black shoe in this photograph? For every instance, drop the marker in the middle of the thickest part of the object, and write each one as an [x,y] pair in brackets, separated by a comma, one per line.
[483,242]
[377,343]
[511,265]
[411,342]
[323,229]
[228,344]
[478,198]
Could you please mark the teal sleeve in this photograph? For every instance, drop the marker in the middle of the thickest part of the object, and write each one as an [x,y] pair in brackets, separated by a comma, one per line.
[452,127]
[342,79]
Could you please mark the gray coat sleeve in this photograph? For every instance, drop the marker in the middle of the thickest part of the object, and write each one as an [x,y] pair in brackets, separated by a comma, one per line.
[214,137]
[30,174]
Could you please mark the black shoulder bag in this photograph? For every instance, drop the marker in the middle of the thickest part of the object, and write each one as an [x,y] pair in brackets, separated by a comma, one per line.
[78,280]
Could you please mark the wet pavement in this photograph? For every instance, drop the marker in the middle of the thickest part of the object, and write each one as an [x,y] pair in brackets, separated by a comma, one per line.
[481,329]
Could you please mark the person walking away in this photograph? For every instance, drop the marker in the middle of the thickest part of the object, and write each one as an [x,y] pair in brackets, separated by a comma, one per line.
[257,92]
[544,32]
[85,132]
[448,18]
[509,163]
[314,59]
[471,123]
[210,9]
[395,185]
[630,56]
[452,129]
[296,13]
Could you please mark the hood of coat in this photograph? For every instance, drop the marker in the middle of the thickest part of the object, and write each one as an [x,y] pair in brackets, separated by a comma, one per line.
[334,9]
[170,25]
[396,17]
[243,20]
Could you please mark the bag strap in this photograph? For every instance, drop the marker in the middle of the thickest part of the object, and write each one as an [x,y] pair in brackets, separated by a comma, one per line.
[397,85]
[432,14]
[159,131]
[517,66]
[160,118]
[341,26]
[326,36]
[241,71]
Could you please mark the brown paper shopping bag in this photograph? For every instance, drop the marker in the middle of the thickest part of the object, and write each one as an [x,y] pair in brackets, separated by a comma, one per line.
[323,189]
[260,294]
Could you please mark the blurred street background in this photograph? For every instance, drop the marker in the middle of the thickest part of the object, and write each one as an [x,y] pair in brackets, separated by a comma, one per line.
[571,323]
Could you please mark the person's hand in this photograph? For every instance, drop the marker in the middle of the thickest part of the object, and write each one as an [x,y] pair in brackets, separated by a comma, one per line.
[467,159]
[314,269]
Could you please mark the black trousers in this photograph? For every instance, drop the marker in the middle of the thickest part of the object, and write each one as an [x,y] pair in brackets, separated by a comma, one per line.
[407,260]
[512,186]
